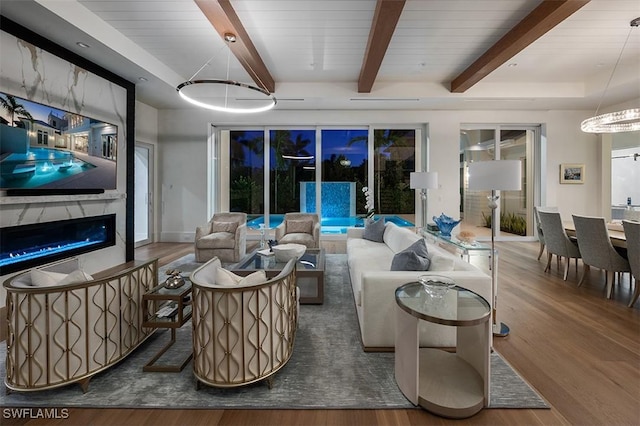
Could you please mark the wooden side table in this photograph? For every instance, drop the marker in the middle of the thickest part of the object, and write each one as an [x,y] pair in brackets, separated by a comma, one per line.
[157,298]
[454,385]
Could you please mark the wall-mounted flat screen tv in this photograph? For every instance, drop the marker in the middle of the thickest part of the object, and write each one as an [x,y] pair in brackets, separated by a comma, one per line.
[47,150]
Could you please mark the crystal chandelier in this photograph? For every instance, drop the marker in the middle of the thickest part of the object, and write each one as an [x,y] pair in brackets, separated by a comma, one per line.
[226,95]
[627,120]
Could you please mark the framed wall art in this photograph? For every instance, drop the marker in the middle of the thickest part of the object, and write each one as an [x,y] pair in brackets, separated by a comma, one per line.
[571,173]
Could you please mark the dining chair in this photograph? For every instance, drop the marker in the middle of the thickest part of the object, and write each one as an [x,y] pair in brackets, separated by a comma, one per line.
[632,234]
[541,239]
[597,250]
[557,241]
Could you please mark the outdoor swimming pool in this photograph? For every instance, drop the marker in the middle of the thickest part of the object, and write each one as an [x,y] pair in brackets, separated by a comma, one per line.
[39,166]
[329,225]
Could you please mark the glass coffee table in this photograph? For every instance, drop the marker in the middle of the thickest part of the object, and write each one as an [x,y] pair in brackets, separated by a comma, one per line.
[309,272]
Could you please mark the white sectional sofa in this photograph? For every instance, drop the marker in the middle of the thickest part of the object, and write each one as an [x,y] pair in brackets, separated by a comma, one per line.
[374,285]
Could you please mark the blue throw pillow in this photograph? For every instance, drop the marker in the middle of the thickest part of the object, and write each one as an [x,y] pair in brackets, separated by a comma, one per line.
[374,231]
[413,258]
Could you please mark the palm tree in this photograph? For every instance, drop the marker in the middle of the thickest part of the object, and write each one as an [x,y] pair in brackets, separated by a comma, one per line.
[382,140]
[11,105]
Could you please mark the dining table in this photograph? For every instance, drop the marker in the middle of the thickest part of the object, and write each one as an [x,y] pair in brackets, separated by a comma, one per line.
[615,230]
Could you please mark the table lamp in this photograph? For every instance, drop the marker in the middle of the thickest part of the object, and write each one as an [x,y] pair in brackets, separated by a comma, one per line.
[423,181]
[496,175]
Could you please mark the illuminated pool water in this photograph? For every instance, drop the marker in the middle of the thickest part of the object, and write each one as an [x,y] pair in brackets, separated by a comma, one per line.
[329,225]
[39,166]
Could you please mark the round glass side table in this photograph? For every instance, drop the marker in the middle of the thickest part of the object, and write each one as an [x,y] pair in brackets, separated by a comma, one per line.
[450,384]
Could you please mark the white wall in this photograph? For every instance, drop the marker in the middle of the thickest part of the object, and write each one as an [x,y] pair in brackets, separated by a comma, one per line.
[183,162]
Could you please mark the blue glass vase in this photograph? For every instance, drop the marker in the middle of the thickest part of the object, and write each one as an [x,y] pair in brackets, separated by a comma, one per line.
[445,224]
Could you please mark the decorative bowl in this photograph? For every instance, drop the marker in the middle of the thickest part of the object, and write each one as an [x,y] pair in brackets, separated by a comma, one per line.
[467,237]
[445,224]
[436,286]
[286,252]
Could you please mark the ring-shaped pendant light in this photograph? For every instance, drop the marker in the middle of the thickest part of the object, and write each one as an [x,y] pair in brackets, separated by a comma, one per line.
[200,86]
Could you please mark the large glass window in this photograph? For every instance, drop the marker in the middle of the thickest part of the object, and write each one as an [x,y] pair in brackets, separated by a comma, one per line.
[246,180]
[292,162]
[274,171]
[344,172]
[394,160]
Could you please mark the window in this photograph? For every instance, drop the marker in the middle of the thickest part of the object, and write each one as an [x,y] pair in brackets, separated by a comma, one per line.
[274,171]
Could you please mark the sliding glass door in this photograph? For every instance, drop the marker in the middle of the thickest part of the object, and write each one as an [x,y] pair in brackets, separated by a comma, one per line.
[274,171]
[515,209]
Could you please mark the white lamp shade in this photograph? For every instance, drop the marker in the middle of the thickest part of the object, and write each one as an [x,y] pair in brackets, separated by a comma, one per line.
[505,175]
[423,180]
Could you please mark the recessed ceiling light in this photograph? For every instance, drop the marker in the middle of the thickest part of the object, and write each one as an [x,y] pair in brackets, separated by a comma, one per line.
[83,45]
[143,79]
[512,64]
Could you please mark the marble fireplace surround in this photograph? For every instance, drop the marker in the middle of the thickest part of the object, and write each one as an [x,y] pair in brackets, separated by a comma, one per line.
[40,71]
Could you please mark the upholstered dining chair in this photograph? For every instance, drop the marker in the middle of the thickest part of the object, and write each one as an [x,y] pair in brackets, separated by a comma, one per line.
[597,250]
[557,241]
[632,234]
[541,239]
[299,228]
[224,236]
[243,331]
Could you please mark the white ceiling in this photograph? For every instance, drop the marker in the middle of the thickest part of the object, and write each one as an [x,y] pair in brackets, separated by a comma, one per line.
[314,50]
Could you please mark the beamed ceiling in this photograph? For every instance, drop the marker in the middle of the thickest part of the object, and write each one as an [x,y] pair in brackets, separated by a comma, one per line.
[360,54]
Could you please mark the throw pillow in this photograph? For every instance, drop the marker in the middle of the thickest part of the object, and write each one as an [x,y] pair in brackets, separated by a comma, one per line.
[441,263]
[374,230]
[75,277]
[40,278]
[413,258]
[299,226]
[225,277]
[224,227]
[409,261]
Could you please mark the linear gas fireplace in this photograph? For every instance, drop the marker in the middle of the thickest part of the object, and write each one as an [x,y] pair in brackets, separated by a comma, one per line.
[26,246]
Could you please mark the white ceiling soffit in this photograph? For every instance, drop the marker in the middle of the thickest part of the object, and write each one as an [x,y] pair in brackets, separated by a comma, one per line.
[315,49]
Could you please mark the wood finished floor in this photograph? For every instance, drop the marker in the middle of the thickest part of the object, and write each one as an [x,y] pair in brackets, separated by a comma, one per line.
[579,350]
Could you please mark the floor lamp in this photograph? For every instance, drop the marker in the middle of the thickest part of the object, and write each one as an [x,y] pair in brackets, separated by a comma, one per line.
[495,175]
[423,181]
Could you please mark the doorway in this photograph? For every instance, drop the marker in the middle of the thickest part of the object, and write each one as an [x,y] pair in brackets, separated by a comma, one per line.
[515,210]
[143,205]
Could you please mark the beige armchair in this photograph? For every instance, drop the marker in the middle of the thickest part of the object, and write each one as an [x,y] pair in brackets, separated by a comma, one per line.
[242,333]
[225,236]
[299,228]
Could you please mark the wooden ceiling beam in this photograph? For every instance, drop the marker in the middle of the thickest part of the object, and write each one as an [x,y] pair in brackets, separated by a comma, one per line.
[543,18]
[384,23]
[225,20]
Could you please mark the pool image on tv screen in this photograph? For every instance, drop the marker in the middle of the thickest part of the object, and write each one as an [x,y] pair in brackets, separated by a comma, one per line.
[42,147]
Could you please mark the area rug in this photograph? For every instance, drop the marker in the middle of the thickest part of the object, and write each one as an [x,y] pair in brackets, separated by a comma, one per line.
[328,369]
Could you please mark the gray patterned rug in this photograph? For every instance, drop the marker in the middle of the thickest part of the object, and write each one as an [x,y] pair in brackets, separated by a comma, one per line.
[328,369]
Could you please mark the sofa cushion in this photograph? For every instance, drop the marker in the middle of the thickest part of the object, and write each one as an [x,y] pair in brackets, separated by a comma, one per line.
[374,230]
[217,240]
[413,258]
[299,226]
[225,277]
[298,238]
[398,238]
[224,227]
[441,263]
